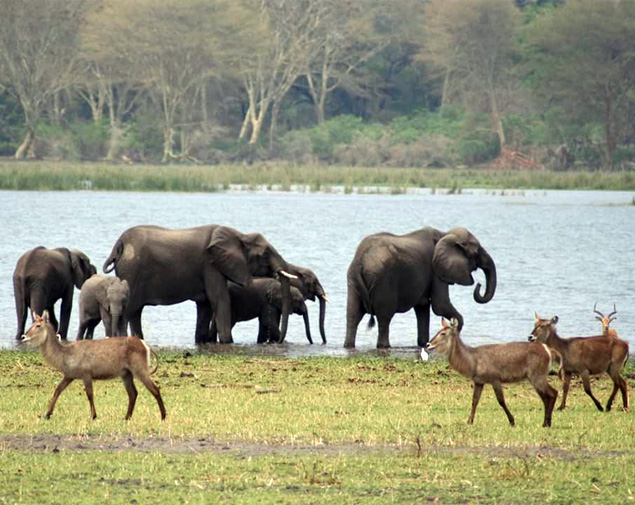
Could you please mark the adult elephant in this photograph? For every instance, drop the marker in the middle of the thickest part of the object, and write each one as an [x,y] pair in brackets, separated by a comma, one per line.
[42,277]
[309,285]
[165,266]
[396,273]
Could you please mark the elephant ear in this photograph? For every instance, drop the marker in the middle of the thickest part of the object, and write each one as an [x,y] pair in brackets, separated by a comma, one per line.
[227,253]
[452,262]
[81,267]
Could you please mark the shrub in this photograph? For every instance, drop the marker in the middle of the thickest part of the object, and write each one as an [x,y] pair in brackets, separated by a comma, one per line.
[91,139]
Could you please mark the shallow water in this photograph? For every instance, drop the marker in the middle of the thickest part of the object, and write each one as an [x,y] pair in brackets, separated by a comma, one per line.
[556,252]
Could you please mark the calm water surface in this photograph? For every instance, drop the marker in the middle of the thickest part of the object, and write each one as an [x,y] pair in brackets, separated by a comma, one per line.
[556,252]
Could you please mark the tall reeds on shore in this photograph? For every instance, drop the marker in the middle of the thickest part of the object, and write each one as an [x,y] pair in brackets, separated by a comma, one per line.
[45,175]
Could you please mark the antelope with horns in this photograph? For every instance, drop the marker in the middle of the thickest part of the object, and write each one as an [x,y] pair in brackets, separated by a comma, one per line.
[498,364]
[606,321]
[89,360]
[585,356]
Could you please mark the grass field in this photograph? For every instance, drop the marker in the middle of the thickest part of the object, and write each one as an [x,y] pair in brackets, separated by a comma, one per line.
[254,429]
[43,175]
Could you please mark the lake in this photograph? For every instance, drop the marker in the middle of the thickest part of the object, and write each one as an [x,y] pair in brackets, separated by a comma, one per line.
[556,253]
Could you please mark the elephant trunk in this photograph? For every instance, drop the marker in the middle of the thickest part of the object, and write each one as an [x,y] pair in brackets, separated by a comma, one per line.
[286,306]
[486,263]
[322,316]
[116,322]
[307,326]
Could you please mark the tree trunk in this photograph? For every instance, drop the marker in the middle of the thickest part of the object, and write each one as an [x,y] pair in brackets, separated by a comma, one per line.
[496,119]
[26,148]
[608,128]
[168,143]
[274,119]
[446,87]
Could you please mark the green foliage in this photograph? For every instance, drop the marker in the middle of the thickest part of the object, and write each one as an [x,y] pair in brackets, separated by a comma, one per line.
[12,130]
[91,139]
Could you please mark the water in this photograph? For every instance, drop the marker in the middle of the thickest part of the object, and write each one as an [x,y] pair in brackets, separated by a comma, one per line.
[556,252]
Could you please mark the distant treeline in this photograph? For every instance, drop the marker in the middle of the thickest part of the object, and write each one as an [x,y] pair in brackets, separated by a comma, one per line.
[394,83]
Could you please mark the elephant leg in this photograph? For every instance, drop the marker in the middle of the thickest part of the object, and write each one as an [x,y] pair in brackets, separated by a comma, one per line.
[383,339]
[135,323]
[203,319]
[222,314]
[21,308]
[423,324]
[354,314]
[65,312]
[91,329]
[440,301]
[213,332]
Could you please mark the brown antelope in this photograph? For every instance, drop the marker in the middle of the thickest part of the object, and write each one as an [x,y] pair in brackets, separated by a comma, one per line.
[607,331]
[586,356]
[498,364]
[89,360]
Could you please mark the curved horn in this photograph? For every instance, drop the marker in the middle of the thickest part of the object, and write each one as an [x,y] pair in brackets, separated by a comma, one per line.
[612,313]
[596,310]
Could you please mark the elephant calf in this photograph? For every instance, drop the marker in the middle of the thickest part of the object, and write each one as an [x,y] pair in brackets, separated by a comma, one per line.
[263,300]
[104,299]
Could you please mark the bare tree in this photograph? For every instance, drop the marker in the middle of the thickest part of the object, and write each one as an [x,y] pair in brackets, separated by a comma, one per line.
[472,42]
[38,49]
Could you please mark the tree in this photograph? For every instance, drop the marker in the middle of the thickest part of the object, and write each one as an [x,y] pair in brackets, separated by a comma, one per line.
[584,59]
[172,47]
[473,42]
[38,49]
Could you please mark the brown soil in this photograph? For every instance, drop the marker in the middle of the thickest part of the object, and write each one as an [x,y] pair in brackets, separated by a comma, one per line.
[56,443]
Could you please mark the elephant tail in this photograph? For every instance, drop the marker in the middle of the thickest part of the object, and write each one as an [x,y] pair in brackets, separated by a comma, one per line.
[371,322]
[115,254]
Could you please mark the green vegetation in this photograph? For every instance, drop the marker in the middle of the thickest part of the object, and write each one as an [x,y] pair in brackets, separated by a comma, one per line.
[107,177]
[422,84]
[272,430]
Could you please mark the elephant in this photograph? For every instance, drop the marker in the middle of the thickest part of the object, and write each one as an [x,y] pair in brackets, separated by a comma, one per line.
[263,300]
[42,276]
[395,273]
[166,266]
[103,298]
[310,287]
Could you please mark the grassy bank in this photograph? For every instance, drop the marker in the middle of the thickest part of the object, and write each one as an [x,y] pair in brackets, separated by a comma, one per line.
[98,176]
[272,430]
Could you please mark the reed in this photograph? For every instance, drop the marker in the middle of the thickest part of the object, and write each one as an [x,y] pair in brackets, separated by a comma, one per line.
[47,175]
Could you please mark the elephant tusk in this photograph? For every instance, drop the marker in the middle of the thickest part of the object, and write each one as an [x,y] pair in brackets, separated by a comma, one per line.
[326,298]
[288,275]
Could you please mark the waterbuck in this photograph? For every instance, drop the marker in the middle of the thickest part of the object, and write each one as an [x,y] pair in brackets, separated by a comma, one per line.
[89,360]
[586,356]
[497,364]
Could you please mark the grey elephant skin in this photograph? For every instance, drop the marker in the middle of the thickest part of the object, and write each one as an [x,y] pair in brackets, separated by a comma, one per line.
[311,288]
[42,277]
[395,273]
[167,266]
[263,300]
[103,298]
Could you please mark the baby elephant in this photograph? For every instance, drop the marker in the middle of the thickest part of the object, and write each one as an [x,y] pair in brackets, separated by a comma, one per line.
[263,300]
[103,298]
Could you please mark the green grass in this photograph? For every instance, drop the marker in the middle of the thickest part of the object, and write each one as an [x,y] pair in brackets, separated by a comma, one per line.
[313,430]
[99,176]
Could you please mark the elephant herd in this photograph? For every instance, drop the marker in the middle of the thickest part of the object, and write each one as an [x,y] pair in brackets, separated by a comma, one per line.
[234,276]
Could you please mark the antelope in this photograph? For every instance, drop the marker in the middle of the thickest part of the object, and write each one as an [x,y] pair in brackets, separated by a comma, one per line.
[89,360]
[585,356]
[606,322]
[498,364]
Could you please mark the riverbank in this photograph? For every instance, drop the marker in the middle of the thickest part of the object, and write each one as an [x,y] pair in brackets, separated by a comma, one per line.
[280,430]
[46,175]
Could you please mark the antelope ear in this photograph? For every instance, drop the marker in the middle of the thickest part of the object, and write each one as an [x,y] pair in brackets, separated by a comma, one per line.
[444,323]
[554,320]
[537,316]
[454,322]
[45,316]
